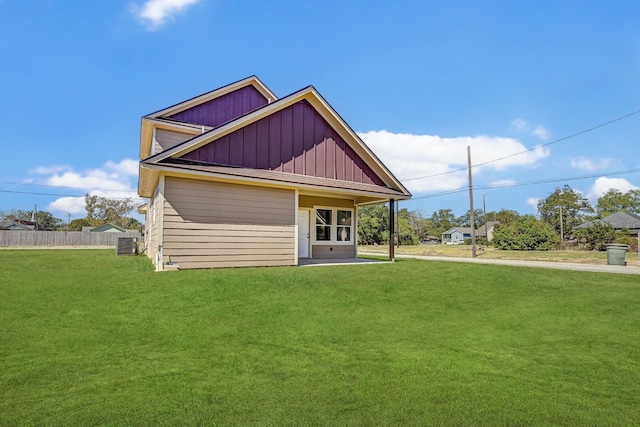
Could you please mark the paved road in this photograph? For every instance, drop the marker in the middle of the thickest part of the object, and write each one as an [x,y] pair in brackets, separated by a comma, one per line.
[619,269]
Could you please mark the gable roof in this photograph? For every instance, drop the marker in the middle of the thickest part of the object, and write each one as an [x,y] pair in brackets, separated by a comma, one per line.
[183,115]
[485,227]
[619,220]
[108,227]
[462,230]
[181,155]
[10,224]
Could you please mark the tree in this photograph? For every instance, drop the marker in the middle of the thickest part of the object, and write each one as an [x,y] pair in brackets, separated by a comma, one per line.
[615,201]
[504,216]
[102,210]
[465,220]
[597,236]
[525,234]
[442,220]
[565,203]
[77,224]
[373,224]
[406,230]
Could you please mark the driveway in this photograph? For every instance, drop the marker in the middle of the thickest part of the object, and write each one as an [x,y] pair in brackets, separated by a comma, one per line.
[619,269]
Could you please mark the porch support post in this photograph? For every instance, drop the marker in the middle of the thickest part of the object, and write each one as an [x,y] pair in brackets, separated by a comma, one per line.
[392,228]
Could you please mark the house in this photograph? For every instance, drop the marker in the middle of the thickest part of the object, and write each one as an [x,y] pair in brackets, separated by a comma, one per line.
[17,225]
[486,231]
[456,235]
[105,228]
[239,177]
[619,220]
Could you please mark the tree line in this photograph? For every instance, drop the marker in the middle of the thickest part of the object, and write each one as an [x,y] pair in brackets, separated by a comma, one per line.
[558,215]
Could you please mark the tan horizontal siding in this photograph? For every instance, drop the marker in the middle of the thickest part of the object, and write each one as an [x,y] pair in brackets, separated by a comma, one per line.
[188,263]
[274,238]
[166,139]
[153,230]
[186,228]
[339,251]
[210,224]
[227,214]
[212,202]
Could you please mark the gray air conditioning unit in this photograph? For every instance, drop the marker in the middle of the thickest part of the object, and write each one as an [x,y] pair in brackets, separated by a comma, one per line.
[127,246]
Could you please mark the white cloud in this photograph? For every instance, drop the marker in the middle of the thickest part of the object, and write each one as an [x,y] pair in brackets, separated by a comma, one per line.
[411,156]
[68,205]
[156,13]
[541,132]
[583,163]
[503,183]
[533,202]
[604,184]
[112,180]
[521,125]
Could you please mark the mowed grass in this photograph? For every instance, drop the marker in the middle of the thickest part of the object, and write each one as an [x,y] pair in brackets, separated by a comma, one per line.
[464,251]
[88,338]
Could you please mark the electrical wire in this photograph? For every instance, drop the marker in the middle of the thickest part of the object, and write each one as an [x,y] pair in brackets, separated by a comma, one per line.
[61,195]
[525,183]
[582,132]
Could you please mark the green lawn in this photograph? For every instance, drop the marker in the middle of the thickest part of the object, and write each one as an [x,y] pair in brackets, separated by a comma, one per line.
[88,338]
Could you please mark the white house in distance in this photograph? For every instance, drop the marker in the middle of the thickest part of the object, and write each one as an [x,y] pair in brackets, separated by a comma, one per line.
[239,177]
[456,235]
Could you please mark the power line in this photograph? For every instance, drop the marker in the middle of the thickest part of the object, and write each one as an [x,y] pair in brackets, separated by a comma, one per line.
[530,149]
[525,183]
[29,184]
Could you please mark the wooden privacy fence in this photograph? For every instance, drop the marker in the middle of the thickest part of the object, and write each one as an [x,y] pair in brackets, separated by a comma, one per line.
[61,238]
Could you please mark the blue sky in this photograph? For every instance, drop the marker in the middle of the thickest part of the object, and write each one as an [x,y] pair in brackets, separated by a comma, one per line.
[419,81]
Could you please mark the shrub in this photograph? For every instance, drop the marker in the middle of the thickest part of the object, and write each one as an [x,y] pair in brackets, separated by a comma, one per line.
[597,236]
[525,234]
[625,239]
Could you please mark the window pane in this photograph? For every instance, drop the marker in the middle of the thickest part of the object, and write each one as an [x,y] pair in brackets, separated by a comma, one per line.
[323,216]
[323,232]
[344,217]
[344,234]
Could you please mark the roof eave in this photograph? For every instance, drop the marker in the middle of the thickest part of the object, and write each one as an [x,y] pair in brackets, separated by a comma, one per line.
[152,172]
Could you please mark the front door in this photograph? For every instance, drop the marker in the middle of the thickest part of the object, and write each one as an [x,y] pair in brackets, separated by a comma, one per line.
[303,233]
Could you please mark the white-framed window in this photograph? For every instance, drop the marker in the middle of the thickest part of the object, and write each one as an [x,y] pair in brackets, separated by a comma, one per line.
[334,226]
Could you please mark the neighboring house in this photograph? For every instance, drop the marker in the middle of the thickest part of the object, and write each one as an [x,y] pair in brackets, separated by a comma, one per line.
[19,225]
[239,177]
[620,221]
[456,235]
[486,231]
[106,228]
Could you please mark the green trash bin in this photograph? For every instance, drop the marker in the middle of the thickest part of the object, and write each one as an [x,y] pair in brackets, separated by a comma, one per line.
[616,253]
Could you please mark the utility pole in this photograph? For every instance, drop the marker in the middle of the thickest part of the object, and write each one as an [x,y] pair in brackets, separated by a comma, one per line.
[398,222]
[392,226]
[34,216]
[472,223]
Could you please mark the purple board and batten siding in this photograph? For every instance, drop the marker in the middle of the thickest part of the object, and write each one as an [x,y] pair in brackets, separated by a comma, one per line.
[296,140]
[223,109]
